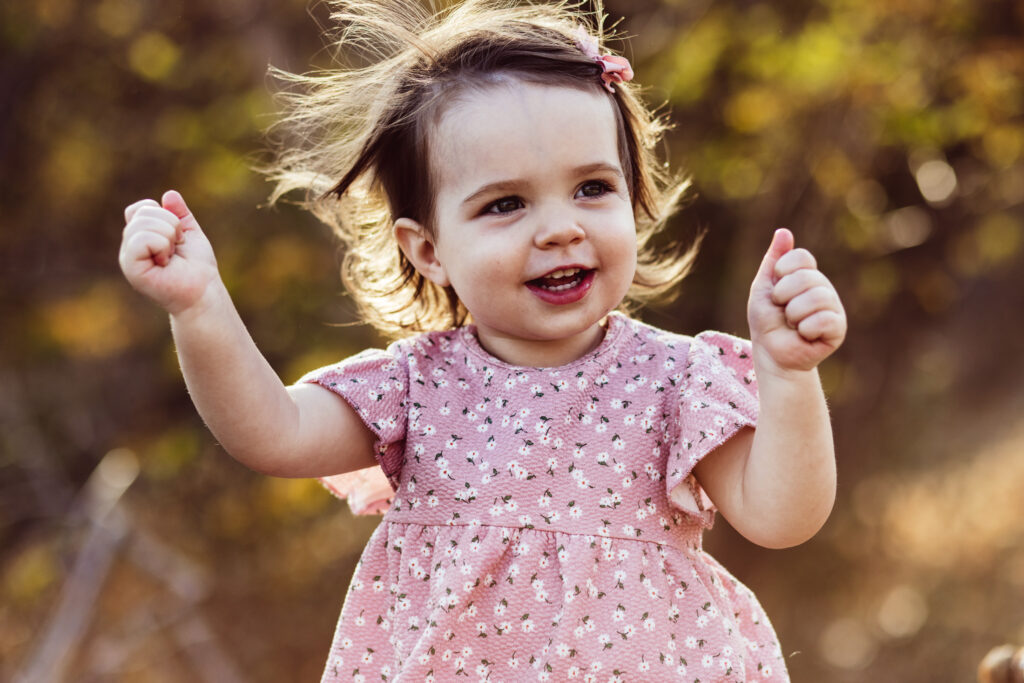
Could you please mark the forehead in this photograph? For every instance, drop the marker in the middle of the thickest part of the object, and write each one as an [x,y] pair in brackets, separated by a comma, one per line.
[516,129]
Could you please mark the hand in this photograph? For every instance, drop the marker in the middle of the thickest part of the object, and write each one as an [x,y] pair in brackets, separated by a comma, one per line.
[794,312]
[165,255]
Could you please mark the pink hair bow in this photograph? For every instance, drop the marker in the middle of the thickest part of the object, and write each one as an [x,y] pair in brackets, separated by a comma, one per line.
[614,69]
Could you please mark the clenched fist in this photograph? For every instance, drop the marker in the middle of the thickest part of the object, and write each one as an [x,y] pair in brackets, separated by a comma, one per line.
[795,316]
[165,255]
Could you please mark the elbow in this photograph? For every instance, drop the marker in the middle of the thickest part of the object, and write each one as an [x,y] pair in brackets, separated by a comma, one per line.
[790,538]
[264,460]
[787,531]
[253,459]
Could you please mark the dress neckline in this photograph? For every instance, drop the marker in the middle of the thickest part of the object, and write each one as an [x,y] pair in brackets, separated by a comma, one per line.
[616,323]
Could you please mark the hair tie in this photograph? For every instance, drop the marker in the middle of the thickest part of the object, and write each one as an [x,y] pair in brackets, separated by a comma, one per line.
[613,69]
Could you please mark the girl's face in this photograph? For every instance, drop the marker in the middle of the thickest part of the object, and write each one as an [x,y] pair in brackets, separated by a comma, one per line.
[534,225]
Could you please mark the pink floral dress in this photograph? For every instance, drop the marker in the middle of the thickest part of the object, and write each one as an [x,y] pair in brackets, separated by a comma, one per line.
[543,523]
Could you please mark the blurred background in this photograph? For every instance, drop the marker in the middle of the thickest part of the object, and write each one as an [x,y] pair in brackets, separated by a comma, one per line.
[888,134]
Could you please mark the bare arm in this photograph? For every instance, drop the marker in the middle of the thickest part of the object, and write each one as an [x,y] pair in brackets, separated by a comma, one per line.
[291,432]
[777,485]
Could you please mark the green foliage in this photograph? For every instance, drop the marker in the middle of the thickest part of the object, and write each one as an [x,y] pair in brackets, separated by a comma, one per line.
[887,133]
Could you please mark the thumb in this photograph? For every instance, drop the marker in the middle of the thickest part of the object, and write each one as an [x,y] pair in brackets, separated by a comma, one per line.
[175,203]
[782,242]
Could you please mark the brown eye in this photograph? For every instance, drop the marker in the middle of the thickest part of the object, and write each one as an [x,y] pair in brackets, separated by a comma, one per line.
[593,188]
[504,205]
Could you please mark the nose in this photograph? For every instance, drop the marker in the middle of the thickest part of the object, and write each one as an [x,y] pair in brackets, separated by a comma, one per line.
[558,228]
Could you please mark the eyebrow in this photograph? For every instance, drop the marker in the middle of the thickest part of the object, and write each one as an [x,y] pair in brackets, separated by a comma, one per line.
[513,185]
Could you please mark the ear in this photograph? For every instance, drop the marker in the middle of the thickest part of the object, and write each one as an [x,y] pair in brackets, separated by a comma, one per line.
[418,246]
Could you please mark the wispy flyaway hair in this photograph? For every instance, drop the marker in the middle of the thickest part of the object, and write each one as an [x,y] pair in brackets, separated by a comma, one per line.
[357,137]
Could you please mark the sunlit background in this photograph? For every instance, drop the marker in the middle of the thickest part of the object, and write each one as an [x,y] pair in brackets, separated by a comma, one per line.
[888,134]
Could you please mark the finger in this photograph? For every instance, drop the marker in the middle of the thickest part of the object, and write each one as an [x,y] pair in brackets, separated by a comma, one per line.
[143,222]
[808,303]
[145,247]
[175,203]
[794,260]
[827,326]
[130,210]
[796,283]
[782,242]
[157,213]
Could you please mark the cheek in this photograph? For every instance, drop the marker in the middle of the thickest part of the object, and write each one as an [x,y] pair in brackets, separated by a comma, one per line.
[473,264]
[625,238]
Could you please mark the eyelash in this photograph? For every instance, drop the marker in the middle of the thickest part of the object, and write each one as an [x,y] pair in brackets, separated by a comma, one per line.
[604,187]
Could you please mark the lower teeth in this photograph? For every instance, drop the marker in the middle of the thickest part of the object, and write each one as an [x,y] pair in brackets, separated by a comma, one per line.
[562,288]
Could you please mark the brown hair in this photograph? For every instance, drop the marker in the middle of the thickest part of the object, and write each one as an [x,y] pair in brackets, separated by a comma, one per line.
[359,145]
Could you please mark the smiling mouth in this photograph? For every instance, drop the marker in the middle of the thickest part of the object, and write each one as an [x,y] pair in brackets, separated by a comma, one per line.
[561,280]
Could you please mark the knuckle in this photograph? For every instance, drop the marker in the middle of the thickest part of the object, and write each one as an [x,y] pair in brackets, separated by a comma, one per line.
[792,312]
[135,206]
[822,295]
[804,255]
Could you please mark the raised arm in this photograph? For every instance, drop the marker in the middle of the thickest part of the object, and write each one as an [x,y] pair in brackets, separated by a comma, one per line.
[299,431]
[776,484]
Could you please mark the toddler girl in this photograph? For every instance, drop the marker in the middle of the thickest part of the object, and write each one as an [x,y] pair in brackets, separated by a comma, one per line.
[548,463]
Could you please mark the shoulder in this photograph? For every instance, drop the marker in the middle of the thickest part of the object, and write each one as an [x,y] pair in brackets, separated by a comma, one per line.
[644,336]
[720,349]
[428,346]
[684,356]
[721,363]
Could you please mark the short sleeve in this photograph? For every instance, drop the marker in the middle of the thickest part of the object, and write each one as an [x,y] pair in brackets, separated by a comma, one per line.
[717,398]
[375,383]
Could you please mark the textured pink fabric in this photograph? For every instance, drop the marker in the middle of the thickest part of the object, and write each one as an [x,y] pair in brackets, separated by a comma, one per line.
[544,523]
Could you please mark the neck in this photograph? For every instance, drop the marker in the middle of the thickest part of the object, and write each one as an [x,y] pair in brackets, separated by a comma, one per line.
[541,353]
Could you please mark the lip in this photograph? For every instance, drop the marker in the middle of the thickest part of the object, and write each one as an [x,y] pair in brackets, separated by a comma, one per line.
[567,296]
[565,267]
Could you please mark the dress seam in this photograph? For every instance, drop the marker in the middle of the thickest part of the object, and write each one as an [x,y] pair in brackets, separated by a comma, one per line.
[697,547]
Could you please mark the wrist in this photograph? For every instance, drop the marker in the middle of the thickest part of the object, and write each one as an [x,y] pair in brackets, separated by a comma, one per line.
[213,301]
[766,368]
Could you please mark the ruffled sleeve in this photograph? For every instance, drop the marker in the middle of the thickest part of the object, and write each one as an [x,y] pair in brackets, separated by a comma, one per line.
[375,383]
[717,398]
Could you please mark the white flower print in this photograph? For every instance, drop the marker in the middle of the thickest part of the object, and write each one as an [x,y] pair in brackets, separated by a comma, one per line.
[517,470]
[664,426]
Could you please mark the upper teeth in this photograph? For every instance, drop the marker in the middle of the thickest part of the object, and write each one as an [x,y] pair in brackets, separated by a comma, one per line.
[568,272]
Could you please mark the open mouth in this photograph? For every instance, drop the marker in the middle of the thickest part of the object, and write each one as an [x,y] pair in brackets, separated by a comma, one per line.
[563,286]
[561,280]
